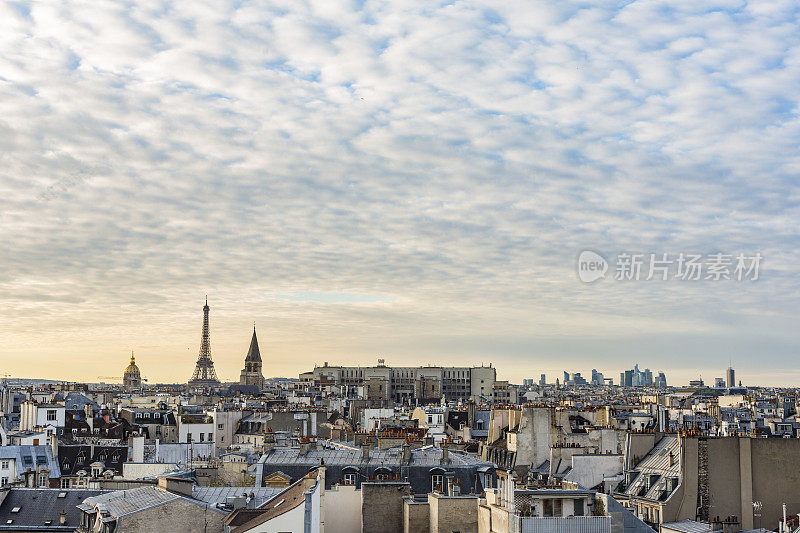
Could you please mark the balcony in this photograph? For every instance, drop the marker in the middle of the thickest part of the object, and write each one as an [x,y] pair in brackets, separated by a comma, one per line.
[576,524]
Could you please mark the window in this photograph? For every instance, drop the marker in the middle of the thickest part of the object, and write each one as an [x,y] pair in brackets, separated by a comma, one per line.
[188,437]
[51,415]
[202,437]
[437,482]
[220,426]
[558,508]
[4,465]
[43,480]
[3,481]
[548,507]
[578,508]
[349,478]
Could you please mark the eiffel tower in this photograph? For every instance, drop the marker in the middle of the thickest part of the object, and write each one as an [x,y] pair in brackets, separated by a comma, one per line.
[204,374]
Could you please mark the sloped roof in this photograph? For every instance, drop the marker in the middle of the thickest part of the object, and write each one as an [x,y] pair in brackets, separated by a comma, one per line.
[75,457]
[688,526]
[348,455]
[283,502]
[124,502]
[656,463]
[30,457]
[253,354]
[38,506]
[214,495]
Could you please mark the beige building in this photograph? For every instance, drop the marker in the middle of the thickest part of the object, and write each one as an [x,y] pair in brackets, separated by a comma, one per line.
[716,477]
[409,384]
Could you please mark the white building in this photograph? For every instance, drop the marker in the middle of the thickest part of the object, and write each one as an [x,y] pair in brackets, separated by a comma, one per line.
[196,427]
[50,417]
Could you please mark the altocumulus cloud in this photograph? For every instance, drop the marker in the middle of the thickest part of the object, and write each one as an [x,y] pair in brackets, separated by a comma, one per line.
[407,178]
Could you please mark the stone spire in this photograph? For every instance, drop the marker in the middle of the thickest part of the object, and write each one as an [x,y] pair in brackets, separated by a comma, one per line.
[253,354]
[251,374]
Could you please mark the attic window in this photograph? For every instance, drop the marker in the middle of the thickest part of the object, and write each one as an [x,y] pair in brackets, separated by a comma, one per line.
[48,522]
[9,521]
[16,509]
[62,494]
[277,504]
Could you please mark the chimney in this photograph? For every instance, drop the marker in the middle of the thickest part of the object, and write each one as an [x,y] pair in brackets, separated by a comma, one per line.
[54,444]
[137,449]
[445,455]
[365,453]
[62,518]
[307,446]
[471,414]
[406,453]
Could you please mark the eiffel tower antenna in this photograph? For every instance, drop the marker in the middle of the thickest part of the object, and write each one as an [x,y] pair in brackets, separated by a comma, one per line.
[204,374]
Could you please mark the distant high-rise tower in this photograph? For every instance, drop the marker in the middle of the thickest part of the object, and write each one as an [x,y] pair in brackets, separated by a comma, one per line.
[204,374]
[730,377]
[251,374]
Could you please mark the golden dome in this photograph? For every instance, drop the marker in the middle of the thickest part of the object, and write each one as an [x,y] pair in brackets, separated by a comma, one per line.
[132,371]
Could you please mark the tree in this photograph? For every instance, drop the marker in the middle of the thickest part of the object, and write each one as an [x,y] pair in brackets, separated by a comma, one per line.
[599,508]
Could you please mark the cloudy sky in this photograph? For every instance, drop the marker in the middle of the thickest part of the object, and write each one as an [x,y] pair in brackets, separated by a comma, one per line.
[410,180]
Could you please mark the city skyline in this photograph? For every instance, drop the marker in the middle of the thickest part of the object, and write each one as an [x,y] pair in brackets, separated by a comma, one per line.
[205,351]
[408,181]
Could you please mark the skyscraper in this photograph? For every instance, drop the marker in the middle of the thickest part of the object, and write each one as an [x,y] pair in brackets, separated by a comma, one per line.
[730,377]
[204,373]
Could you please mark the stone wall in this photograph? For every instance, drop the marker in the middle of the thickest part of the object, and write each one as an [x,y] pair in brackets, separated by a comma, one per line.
[382,506]
[453,513]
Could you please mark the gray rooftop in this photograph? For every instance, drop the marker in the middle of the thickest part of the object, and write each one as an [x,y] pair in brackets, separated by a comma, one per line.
[124,502]
[688,526]
[215,495]
[31,457]
[334,454]
[656,463]
[37,507]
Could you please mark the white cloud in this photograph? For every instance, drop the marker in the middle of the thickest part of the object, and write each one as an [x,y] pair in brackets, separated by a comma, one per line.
[447,161]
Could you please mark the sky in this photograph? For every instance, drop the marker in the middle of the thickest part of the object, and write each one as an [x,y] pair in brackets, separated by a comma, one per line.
[406,180]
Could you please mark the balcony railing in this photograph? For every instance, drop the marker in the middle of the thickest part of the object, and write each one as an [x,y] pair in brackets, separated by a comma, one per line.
[576,524]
